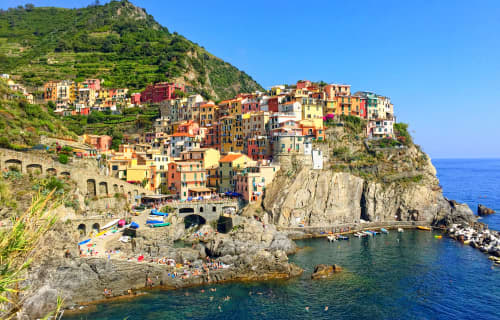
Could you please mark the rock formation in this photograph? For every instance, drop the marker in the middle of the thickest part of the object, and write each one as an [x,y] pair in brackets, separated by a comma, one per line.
[484,211]
[322,271]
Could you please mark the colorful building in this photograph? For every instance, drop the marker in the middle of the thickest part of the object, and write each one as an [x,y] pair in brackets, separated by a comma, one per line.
[158,92]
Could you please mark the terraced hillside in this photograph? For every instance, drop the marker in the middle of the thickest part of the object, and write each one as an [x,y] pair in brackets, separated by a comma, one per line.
[117,42]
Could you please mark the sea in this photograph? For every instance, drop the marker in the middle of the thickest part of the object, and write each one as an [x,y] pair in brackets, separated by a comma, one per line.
[410,275]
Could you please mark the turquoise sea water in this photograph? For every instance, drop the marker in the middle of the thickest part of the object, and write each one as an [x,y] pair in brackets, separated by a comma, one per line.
[410,275]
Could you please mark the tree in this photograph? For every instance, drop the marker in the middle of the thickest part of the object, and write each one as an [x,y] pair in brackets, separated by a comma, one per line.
[29,6]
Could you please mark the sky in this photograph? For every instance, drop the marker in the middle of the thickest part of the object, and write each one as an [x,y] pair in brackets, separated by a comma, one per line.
[438,60]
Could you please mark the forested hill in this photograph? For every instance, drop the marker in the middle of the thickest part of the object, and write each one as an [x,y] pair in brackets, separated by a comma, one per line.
[117,42]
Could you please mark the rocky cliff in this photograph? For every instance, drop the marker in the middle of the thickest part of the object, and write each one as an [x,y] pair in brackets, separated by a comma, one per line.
[400,190]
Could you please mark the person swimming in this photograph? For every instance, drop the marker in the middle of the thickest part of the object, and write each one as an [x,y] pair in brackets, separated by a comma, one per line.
[307,308]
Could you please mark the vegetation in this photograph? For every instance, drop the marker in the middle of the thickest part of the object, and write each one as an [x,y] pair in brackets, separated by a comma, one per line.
[130,120]
[401,131]
[22,124]
[117,42]
[16,247]
[353,124]
[63,158]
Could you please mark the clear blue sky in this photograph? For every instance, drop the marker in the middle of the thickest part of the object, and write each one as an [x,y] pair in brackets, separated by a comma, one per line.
[439,61]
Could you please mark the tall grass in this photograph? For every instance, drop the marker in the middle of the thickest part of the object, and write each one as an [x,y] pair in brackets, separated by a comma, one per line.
[17,245]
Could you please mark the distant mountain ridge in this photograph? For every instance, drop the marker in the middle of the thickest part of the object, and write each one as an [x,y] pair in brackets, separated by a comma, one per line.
[117,42]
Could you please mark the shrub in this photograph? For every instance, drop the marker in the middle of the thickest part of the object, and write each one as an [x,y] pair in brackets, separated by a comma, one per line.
[63,158]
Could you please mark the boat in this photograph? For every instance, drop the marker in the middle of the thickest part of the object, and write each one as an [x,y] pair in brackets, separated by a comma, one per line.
[83,242]
[112,223]
[331,238]
[157,225]
[400,230]
[424,228]
[368,233]
[341,237]
[153,221]
[374,232]
[384,230]
[439,237]
[158,213]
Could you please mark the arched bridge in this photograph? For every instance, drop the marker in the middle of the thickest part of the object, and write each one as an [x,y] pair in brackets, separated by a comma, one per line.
[209,210]
[88,179]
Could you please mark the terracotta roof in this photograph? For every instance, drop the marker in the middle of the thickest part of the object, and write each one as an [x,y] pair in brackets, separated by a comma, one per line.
[182,134]
[231,157]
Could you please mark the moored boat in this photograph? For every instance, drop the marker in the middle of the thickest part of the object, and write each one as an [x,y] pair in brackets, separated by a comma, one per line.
[384,230]
[424,228]
[400,230]
[157,225]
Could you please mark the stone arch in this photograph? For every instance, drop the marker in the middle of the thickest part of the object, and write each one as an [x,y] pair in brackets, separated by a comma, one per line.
[34,168]
[91,189]
[14,165]
[129,194]
[186,210]
[193,220]
[115,188]
[65,174]
[143,194]
[96,227]
[122,189]
[201,209]
[82,228]
[103,187]
[51,171]
[214,209]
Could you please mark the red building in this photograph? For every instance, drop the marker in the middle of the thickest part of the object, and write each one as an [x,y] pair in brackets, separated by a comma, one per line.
[212,137]
[362,108]
[92,84]
[159,92]
[303,84]
[272,104]
[173,178]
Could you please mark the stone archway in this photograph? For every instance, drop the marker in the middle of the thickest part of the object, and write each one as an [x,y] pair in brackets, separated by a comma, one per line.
[14,165]
[65,174]
[96,227]
[201,209]
[115,188]
[103,188]
[194,220]
[122,189]
[91,188]
[51,171]
[34,168]
[82,228]
[129,194]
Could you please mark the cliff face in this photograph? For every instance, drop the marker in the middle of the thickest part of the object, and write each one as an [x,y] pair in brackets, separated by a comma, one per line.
[328,198]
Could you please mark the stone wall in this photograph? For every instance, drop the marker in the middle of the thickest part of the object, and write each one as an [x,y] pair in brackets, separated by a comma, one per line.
[88,179]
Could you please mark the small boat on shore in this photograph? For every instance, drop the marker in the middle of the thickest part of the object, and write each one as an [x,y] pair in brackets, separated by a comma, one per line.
[331,238]
[400,230]
[384,230]
[424,228]
[158,225]
[341,237]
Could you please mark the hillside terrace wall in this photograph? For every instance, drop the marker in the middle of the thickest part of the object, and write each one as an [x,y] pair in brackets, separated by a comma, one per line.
[88,179]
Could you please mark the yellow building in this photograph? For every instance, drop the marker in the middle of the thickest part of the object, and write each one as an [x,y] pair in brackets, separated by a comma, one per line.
[208,114]
[209,157]
[228,167]
[254,124]
[277,90]
[226,129]
[312,110]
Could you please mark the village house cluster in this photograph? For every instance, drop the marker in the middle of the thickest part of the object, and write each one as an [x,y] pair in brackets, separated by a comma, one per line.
[80,98]
[200,149]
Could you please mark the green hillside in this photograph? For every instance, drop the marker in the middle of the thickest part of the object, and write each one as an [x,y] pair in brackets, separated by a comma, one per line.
[22,124]
[117,42]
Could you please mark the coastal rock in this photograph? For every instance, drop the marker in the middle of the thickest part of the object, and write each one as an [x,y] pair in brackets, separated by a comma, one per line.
[484,211]
[323,271]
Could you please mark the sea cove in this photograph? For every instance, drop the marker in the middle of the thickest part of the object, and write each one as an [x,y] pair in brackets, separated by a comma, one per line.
[409,275]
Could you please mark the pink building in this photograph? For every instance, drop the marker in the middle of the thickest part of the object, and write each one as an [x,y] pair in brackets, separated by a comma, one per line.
[135,98]
[101,143]
[252,181]
[302,84]
[92,84]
